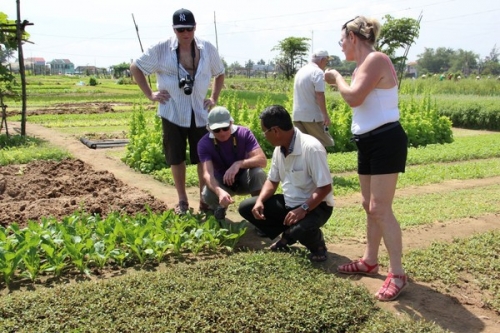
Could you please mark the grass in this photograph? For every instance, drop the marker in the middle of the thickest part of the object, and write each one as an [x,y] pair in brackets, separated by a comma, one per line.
[464,148]
[50,91]
[80,120]
[248,292]
[474,260]
[417,210]
[426,174]
[19,150]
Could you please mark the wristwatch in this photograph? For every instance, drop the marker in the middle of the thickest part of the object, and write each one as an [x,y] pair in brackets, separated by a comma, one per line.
[305,207]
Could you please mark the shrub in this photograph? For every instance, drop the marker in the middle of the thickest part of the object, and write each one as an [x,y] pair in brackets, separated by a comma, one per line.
[145,148]
[423,124]
[93,81]
[472,114]
[123,80]
[420,119]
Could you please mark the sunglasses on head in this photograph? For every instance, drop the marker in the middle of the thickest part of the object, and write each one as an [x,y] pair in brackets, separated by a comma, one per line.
[184,29]
[347,29]
[217,130]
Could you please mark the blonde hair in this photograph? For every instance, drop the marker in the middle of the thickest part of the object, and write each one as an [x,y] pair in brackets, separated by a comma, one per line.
[366,28]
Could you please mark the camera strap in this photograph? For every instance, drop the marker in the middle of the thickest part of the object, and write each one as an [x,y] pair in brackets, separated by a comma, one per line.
[193,55]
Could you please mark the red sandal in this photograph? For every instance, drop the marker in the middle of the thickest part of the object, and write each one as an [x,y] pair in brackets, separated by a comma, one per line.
[390,290]
[353,268]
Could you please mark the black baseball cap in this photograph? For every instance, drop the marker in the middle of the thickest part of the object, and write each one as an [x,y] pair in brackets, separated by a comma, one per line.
[183,18]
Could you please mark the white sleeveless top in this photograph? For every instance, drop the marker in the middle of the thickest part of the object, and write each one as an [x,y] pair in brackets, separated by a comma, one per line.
[379,107]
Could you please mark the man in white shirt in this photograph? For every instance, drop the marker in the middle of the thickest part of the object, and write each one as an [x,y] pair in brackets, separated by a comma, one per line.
[299,164]
[309,104]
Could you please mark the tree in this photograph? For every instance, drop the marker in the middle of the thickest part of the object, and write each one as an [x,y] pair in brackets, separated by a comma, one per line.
[292,54]
[234,67]
[346,67]
[489,68]
[5,51]
[397,34]
[490,65]
[494,53]
[12,35]
[224,63]
[121,70]
[8,44]
[249,66]
[437,61]
[464,61]
[8,34]
[458,61]
[334,61]
[261,62]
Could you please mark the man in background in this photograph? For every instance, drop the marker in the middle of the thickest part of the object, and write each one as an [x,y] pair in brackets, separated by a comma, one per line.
[309,105]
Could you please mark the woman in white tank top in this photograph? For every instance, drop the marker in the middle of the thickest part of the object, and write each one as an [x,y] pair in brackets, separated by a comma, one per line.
[382,147]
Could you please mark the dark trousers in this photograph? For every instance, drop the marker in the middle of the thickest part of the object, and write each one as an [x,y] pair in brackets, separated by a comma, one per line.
[307,231]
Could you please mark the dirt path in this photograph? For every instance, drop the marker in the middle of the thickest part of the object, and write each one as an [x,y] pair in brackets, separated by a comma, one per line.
[457,312]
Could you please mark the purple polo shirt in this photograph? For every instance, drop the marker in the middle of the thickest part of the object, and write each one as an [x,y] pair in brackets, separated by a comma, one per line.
[225,157]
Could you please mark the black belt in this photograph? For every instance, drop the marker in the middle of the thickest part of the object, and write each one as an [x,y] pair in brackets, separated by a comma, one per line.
[378,130]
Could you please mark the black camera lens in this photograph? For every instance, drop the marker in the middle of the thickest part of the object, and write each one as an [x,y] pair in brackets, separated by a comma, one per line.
[186,83]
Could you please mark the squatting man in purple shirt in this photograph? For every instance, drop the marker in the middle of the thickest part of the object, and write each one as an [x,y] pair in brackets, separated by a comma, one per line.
[232,162]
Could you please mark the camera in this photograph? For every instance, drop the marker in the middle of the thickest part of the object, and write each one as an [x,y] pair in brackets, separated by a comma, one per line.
[186,83]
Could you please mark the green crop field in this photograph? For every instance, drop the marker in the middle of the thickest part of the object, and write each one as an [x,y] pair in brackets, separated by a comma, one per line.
[254,291]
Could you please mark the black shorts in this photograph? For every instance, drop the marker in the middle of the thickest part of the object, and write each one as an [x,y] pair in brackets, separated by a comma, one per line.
[383,153]
[174,141]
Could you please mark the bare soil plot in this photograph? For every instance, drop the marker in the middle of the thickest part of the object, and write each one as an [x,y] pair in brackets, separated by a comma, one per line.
[57,189]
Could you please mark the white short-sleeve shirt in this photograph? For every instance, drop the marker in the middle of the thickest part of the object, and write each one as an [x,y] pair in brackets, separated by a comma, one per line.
[308,80]
[302,171]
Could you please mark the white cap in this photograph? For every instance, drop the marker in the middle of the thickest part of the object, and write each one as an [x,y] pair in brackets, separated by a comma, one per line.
[320,54]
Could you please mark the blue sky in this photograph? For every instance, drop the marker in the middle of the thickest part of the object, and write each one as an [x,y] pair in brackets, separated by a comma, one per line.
[102,32]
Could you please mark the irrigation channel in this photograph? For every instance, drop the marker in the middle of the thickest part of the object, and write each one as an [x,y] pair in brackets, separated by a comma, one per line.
[103,143]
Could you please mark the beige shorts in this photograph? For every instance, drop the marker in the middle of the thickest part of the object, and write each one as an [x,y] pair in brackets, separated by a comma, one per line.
[316,129]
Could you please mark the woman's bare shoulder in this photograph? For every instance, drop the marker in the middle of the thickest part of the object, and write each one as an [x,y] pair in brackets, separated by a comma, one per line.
[377,56]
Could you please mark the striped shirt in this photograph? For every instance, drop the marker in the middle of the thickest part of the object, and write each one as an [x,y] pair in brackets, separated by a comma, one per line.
[161,59]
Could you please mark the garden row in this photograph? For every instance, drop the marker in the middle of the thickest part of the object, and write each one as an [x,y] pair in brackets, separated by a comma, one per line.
[83,242]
